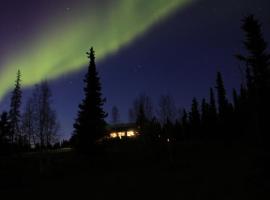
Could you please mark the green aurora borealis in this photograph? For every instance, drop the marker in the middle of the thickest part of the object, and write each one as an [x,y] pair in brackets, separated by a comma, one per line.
[59,44]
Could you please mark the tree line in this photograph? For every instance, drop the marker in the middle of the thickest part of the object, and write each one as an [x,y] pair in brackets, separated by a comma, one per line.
[34,127]
[217,118]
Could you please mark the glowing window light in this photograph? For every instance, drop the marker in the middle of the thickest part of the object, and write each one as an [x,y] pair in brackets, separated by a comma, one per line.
[121,134]
[130,133]
[113,135]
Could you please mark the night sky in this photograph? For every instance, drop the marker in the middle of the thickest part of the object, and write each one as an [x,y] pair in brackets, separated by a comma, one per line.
[153,47]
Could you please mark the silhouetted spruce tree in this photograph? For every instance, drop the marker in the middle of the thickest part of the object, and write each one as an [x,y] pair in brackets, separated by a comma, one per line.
[258,63]
[258,60]
[221,96]
[14,112]
[142,111]
[212,116]
[225,112]
[147,128]
[194,118]
[90,124]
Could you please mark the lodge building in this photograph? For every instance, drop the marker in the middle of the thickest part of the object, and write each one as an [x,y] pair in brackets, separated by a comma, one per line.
[121,131]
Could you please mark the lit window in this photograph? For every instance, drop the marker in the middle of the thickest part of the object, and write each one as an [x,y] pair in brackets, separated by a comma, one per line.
[113,135]
[130,133]
[121,134]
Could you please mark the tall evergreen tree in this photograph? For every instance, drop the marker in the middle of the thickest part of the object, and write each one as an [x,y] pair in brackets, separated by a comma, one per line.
[225,108]
[149,127]
[14,112]
[221,96]
[258,63]
[258,60]
[194,118]
[211,120]
[90,124]
[258,76]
